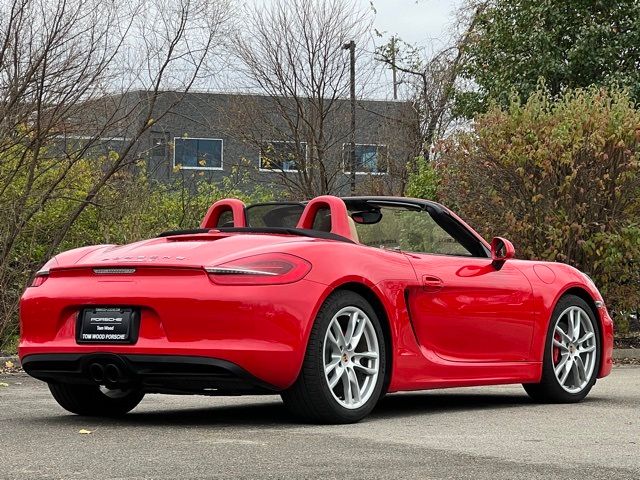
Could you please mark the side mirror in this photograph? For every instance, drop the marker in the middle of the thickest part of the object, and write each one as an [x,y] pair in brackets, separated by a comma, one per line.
[501,250]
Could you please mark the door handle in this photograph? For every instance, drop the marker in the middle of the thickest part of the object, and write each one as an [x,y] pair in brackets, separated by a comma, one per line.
[431,283]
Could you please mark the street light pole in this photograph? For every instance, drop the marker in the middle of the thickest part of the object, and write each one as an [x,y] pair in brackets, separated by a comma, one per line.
[351,46]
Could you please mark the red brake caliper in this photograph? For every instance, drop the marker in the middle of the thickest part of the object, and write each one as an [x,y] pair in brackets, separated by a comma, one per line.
[556,350]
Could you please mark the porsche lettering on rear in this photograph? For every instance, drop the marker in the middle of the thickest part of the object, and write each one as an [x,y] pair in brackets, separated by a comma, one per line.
[142,258]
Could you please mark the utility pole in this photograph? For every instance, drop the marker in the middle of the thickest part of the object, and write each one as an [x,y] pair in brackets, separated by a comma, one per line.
[351,46]
[393,68]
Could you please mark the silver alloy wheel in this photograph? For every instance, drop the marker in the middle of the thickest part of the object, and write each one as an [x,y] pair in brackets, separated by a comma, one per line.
[351,357]
[573,350]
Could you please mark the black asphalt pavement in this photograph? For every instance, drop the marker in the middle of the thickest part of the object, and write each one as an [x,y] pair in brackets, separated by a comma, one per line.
[479,433]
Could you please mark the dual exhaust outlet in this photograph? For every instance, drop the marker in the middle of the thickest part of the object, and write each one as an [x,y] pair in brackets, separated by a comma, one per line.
[109,373]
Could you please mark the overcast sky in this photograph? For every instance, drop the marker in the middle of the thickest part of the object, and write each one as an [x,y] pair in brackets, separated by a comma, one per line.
[424,23]
[418,22]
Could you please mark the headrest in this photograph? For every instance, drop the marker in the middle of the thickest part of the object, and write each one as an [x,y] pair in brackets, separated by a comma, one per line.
[337,209]
[233,205]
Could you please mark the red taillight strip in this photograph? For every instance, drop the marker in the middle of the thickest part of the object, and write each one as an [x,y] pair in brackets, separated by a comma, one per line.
[40,278]
[237,271]
[275,268]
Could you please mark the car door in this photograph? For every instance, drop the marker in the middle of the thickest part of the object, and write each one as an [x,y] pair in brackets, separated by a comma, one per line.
[464,307]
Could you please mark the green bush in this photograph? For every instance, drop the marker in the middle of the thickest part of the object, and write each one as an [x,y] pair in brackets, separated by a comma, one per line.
[424,183]
[134,207]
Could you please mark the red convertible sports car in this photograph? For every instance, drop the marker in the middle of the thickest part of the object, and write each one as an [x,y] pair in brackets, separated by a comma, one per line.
[330,303]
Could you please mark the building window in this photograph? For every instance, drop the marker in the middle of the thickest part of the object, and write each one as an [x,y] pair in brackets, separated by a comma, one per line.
[369,158]
[158,147]
[197,153]
[89,146]
[281,156]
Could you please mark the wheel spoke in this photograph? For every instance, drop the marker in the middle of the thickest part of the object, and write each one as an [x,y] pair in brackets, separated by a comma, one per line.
[570,324]
[560,345]
[339,373]
[575,324]
[360,355]
[567,371]
[335,346]
[367,370]
[335,360]
[351,328]
[561,365]
[585,338]
[346,386]
[339,336]
[357,335]
[353,382]
[581,371]
[588,349]
[562,334]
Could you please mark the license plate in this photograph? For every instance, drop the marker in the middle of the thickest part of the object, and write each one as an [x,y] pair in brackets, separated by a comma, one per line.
[107,325]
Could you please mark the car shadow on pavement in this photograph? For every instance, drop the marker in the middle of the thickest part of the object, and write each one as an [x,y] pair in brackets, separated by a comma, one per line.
[433,403]
[270,411]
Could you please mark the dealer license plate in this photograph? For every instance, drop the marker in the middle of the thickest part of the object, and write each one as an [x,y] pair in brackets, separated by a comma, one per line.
[107,325]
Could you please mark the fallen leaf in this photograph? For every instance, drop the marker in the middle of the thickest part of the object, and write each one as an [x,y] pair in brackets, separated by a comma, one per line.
[85,432]
[3,384]
[9,364]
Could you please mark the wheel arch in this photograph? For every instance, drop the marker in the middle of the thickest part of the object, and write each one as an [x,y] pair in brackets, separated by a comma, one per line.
[586,296]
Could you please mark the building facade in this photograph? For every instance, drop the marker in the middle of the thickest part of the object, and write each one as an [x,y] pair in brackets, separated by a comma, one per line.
[209,136]
[299,147]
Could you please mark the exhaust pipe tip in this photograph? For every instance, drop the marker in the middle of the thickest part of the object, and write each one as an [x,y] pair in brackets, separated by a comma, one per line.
[96,371]
[112,373]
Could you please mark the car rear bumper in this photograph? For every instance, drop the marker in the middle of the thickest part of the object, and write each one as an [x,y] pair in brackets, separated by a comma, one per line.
[261,329]
[151,373]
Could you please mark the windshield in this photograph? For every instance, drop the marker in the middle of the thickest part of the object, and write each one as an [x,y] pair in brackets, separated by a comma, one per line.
[380,224]
[410,230]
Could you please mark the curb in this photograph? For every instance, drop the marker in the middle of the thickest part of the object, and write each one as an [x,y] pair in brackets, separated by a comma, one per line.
[620,353]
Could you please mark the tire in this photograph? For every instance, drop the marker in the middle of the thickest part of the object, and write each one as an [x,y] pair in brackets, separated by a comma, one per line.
[311,398]
[581,367]
[90,400]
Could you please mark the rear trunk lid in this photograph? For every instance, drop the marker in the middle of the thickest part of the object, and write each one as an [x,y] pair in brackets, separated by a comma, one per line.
[183,251]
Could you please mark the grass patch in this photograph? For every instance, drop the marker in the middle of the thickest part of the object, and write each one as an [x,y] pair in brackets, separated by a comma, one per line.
[9,345]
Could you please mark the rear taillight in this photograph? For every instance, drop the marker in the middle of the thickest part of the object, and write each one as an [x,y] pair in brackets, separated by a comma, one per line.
[43,274]
[40,278]
[264,269]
